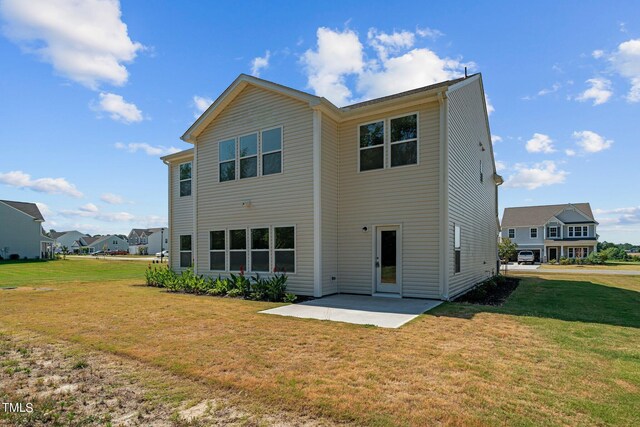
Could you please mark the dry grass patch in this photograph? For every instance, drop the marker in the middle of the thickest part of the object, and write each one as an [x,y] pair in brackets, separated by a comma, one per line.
[460,365]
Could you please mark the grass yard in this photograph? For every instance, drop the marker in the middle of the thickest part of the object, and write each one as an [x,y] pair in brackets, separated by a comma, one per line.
[563,350]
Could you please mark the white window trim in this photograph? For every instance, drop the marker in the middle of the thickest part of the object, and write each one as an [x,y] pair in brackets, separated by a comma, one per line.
[234,160]
[245,250]
[240,158]
[189,179]
[417,139]
[457,249]
[509,230]
[386,142]
[555,229]
[224,251]
[531,231]
[185,251]
[272,244]
[268,250]
[261,153]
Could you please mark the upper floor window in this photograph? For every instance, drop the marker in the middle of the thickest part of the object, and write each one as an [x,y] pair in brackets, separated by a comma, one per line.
[404,140]
[227,160]
[372,146]
[512,233]
[402,143]
[553,231]
[534,233]
[272,151]
[578,231]
[185,179]
[249,156]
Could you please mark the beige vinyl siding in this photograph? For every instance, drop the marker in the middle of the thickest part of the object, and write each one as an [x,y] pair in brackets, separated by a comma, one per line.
[329,186]
[406,196]
[181,214]
[280,199]
[472,204]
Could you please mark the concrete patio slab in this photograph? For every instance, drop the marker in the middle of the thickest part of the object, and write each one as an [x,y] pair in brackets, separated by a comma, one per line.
[359,309]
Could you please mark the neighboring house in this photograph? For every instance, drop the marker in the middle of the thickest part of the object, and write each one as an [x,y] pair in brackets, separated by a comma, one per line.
[65,238]
[552,231]
[21,231]
[153,239]
[394,196]
[109,243]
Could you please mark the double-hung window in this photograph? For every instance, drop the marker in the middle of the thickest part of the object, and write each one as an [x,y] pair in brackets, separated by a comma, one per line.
[227,160]
[260,249]
[553,232]
[371,151]
[248,156]
[185,179]
[185,251]
[404,140]
[533,233]
[217,250]
[285,249]
[512,233]
[271,151]
[237,250]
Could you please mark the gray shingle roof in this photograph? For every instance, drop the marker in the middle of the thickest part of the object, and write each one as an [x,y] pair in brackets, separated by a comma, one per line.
[538,215]
[30,209]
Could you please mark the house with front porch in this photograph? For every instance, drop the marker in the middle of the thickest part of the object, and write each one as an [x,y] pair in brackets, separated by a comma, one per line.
[552,231]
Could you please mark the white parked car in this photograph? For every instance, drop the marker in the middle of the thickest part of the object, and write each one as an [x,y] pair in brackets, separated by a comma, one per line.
[164,253]
[525,257]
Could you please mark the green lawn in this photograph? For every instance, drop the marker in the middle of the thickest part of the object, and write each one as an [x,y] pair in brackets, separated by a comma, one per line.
[563,350]
[609,265]
[38,273]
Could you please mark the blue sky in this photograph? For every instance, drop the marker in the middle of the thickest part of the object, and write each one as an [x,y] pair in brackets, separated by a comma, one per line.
[92,93]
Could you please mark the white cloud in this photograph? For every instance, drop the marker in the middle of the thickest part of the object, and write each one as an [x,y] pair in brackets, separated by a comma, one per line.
[626,61]
[430,33]
[20,179]
[570,152]
[496,138]
[201,103]
[500,165]
[490,108]
[621,216]
[89,207]
[600,91]
[395,65]
[85,41]
[118,109]
[112,199]
[540,143]
[259,63]
[45,210]
[591,142]
[150,150]
[538,175]
[338,54]
[546,91]
[597,54]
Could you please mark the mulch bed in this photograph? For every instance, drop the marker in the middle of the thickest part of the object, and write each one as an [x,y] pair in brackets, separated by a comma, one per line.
[491,292]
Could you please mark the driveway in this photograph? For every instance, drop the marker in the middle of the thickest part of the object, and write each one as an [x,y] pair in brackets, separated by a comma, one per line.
[359,309]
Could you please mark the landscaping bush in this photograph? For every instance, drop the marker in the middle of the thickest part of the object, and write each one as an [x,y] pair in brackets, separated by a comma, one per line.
[594,258]
[14,257]
[257,288]
[564,261]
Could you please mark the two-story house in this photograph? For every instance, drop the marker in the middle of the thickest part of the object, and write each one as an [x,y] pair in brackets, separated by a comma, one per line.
[552,231]
[65,239]
[21,232]
[396,196]
[152,239]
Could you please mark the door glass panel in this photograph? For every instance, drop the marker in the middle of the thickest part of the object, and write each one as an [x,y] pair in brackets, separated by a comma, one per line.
[388,256]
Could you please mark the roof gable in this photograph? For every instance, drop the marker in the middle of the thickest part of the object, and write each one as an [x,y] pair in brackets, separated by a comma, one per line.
[539,215]
[30,209]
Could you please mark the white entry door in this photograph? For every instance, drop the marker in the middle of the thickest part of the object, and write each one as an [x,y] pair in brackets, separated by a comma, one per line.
[387,262]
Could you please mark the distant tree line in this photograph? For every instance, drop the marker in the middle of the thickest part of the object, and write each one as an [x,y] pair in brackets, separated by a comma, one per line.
[617,251]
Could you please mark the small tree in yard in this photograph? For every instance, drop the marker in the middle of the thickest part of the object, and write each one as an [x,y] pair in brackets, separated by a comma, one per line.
[506,250]
[65,252]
